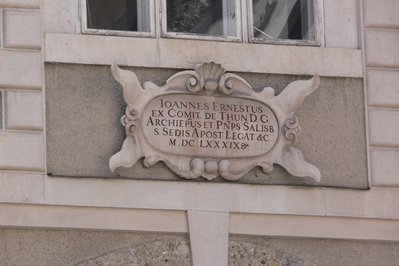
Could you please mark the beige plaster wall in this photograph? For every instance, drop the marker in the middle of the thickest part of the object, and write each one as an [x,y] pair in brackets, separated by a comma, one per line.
[84,105]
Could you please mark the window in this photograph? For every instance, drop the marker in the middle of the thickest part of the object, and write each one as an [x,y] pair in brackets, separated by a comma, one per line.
[269,21]
[206,18]
[118,17]
[283,19]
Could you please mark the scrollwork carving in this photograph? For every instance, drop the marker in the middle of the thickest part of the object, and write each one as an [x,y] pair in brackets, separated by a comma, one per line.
[230,83]
[291,129]
[194,83]
[130,121]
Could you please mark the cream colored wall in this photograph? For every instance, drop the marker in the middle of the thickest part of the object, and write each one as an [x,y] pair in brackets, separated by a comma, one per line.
[22,157]
[381,42]
[29,198]
[21,83]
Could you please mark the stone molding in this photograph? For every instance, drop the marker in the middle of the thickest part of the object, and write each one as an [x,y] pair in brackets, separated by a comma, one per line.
[141,220]
[167,53]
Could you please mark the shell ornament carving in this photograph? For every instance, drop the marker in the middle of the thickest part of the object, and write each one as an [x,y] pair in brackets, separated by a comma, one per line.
[210,123]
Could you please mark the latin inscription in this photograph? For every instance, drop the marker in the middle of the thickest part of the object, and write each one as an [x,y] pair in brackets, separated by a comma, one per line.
[210,126]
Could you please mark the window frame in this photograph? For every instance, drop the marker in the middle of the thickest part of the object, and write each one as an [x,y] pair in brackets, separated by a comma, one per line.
[318,24]
[181,35]
[244,33]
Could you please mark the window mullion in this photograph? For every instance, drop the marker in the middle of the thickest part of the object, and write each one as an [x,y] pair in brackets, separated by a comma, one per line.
[319,21]
[228,22]
[246,20]
[83,15]
[144,8]
[160,17]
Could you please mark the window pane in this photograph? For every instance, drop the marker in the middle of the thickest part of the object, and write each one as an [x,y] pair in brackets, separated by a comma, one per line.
[283,19]
[125,15]
[206,17]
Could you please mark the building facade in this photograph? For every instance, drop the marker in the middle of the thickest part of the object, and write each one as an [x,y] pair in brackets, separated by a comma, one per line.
[60,204]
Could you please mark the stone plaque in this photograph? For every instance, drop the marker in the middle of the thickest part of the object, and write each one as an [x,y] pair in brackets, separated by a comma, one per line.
[196,125]
[210,123]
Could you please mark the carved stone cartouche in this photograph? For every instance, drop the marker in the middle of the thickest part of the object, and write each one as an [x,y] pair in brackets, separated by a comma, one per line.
[206,122]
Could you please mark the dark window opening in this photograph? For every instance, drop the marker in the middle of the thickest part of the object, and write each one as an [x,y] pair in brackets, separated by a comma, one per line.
[121,15]
[283,19]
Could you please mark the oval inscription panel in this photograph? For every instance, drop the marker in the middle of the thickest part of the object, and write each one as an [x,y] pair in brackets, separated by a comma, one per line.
[209,126]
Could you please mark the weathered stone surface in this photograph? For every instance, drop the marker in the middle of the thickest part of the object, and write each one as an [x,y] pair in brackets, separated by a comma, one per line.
[381,48]
[21,188]
[1,30]
[384,127]
[150,253]
[383,13]
[1,107]
[333,137]
[66,12]
[20,3]
[242,253]
[28,156]
[84,105]
[24,72]
[89,105]
[24,110]
[385,167]
[71,247]
[209,237]
[22,29]
[174,53]
[252,250]
[382,88]
[341,30]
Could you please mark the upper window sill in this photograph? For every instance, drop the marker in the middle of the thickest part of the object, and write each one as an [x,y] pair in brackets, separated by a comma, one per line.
[183,54]
[119,33]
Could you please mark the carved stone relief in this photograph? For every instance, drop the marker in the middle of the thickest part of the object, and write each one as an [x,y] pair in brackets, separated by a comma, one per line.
[209,123]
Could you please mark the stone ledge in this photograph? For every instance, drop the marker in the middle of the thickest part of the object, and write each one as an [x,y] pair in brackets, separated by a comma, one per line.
[50,216]
[314,226]
[54,217]
[185,54]
[289,200]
